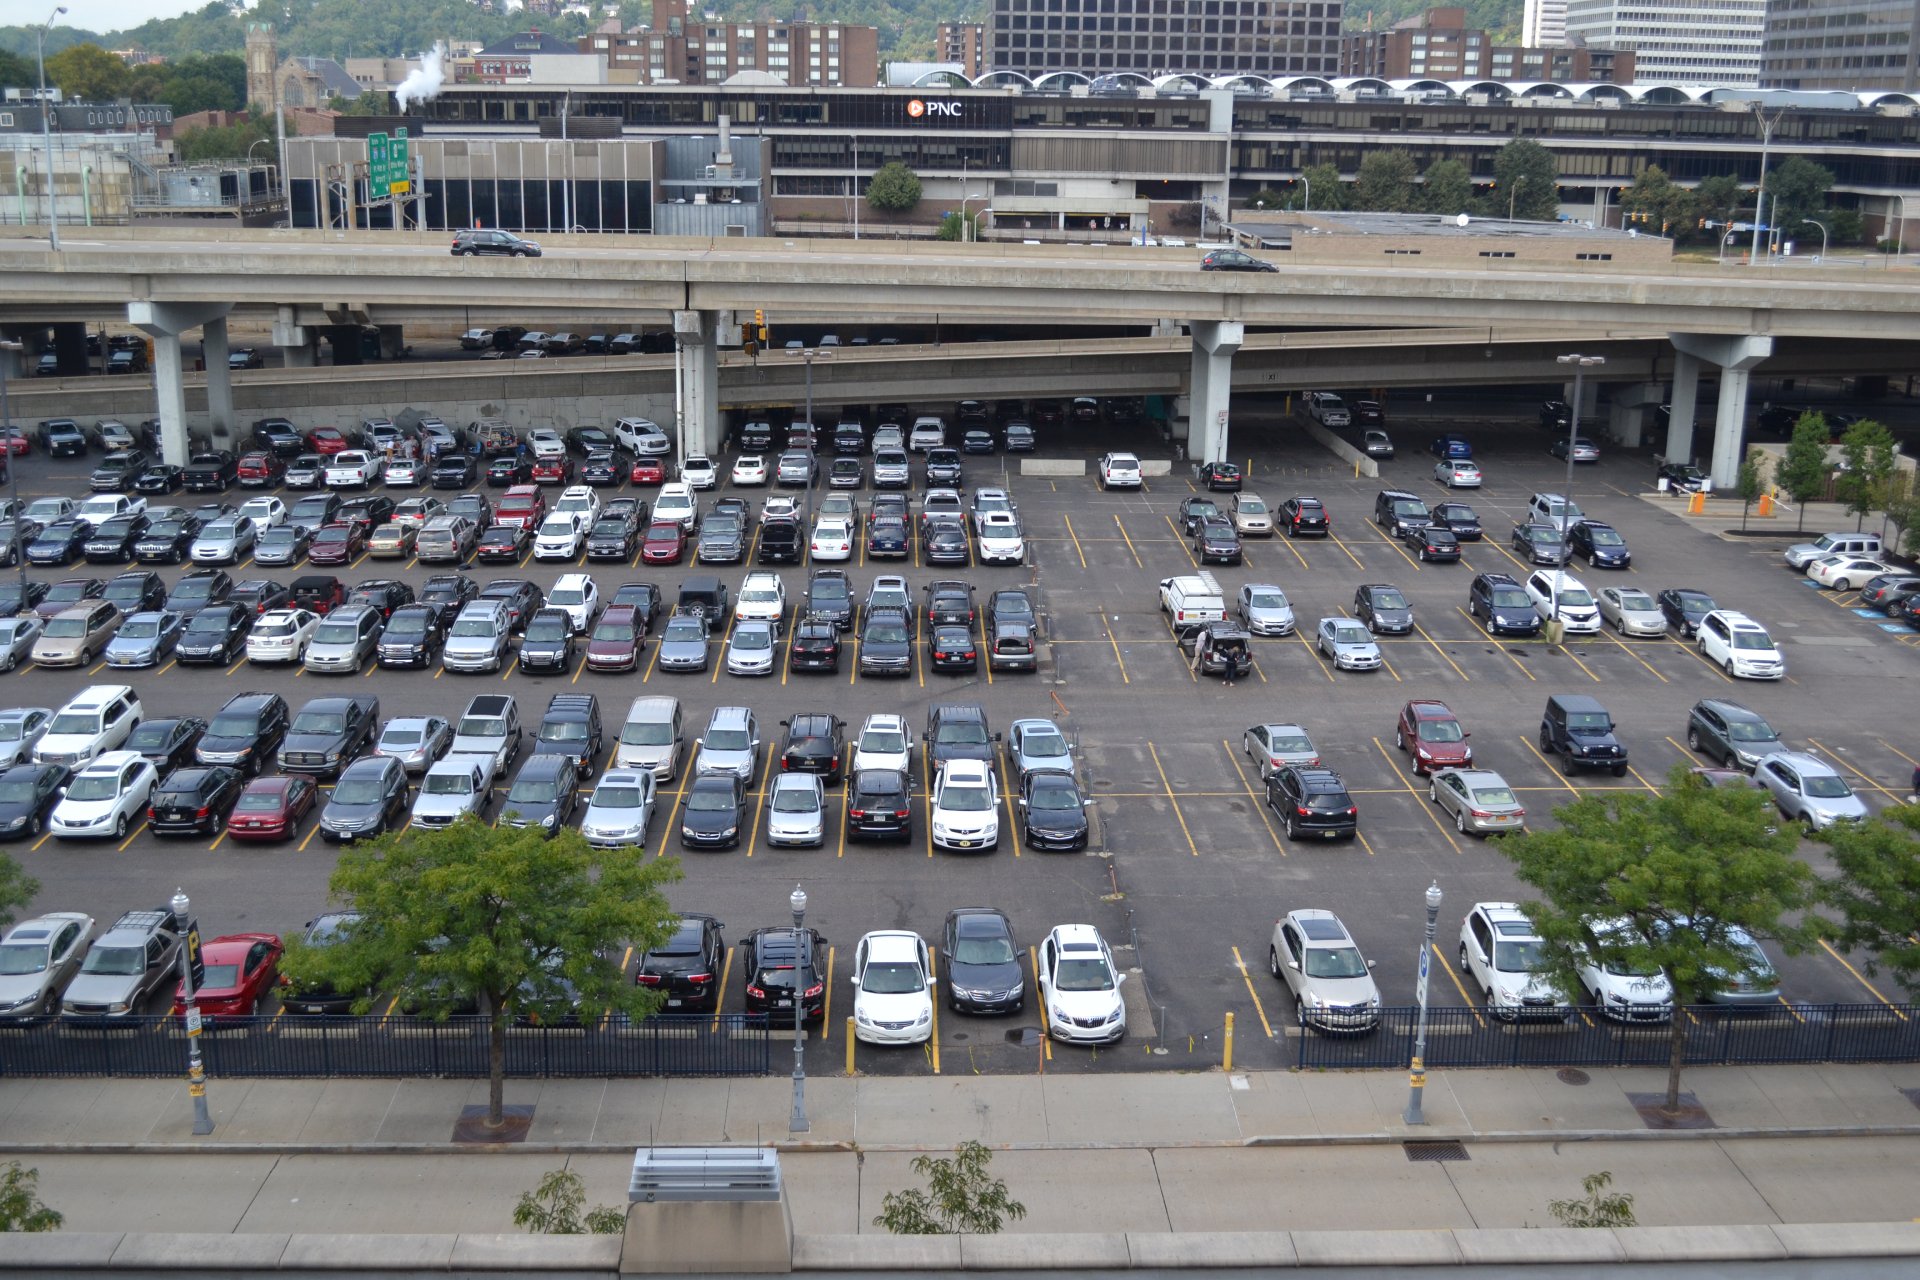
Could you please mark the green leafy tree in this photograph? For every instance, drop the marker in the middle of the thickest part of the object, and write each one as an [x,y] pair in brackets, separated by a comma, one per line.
[1268,198]
[17,72]
[1600,1208]
[1844,226]
[894,188]
[1323,189]
[1526,178]
[1877,893]
[1447,188]
[226,141]
[1800,186]
[1871,453]
[20,1207]
[1385,182]
[553,1208]
[952,228]
[1747,483]
[1672,875]
[959,1198]
[1656,204]
[88,72]
[1803,470]
[504,917]
[1903,511]
[1718,199]
[17,889]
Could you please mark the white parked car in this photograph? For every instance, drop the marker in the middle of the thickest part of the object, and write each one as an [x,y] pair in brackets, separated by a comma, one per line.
[1632,612]
[579,595]
[1553,590]
[102,507]
[1457,473]
[832,541]
[106,798]
[545,443]
[266,513]
[96,720]
[282,636]
[763,598]
[885,742]
[581,500]
[752,649]
[559,537]
[1119,471]
[1844,573]
[1623,991]
[966,807]
[797,811]
[1740,646]
[928,433]
[989,501]
[675,504]
[998,540]
[699,473]
[1080,987]
[749,469]
[353,469]
[1501,952]
[892,988]
[620,809]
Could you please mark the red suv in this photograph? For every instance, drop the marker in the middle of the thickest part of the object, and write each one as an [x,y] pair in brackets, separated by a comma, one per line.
[553,470]
[1433,736]
[523,505]
[614,644]
[259,469]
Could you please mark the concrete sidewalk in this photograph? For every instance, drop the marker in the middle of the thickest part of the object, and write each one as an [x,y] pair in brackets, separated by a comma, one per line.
[1137,1153]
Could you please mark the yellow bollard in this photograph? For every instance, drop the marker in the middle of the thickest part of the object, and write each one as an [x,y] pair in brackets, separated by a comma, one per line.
[1697,504]
[1226,1063]
[849,1046]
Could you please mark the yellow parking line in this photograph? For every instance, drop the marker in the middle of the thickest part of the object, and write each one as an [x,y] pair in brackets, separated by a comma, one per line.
[1173,799]
[511,667]
[1364,842]
[1442,652]
[1341,542]
[1129,541]
[679,798]
[933,1040]
[42,840]
[1692,649]
[1178,538]
[98,668]
[1458,985]
[1550,769]
[1897,751]
[1257,1006]
[577,670]
[1259,801]
[1425,806]
[1627,648]
[1076,541]
[130,839]
[1006,792]
[1576,661]
[853,655]
[1861,978]
[726,973]
[1124,678]
[1894,796]
[1318,661]
[217,841]
[1396,544]
[826,999]
[171,664]
[1643,782]
[1046,1034]
[243,662]
[926,798]
[760,805]
[1495,642]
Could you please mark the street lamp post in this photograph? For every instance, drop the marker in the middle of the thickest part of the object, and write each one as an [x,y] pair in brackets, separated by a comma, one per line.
[1824,239]
[1513,194]
[1306,204]
[46,129]
[1417,1077]
[966,228]
[13,463]
[797,1123]
[1580,366]
[1760,191]
[809,355]
[189,951]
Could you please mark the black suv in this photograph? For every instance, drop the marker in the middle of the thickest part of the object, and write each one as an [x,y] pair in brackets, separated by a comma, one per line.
[614,536]
[504,243]
[214,634]
[200,588]
[879,805]
[193,800]
[816,743]
[1304,517]
[1397,511]
[244,732]
[329,733]
[543,794]
[370,796]
[815,647]
[686,968]
[1502,605]
[135,591]
[1009,605]
[1312,802]
[413,636]
[446,593]
[1578,729]
[571,728]
[769,959]
[714,810]
[830,598]
[949,603]
[167,540]
[958,731]
[547,643]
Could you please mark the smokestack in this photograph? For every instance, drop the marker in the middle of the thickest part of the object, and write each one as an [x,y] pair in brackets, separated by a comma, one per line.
[723,158]
[423,82]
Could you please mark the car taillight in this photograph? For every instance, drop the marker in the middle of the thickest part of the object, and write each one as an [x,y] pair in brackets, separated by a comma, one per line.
[968,654]
[815,990]
[758,993]
[152,812]
[1353,811]
[647,979]
[1303,811]
[903,813]
[202,811]
[699,977]
[856,813]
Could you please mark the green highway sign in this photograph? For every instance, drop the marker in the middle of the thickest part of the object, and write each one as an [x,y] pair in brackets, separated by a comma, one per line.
[388,165]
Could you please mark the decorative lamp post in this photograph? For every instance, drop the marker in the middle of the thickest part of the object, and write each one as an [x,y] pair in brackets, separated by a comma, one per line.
[189,959]
[46,130]
[797,1123]
[1417,1078]
[1580,366]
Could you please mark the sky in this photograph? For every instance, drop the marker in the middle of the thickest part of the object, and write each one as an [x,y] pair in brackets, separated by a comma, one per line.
[101,15]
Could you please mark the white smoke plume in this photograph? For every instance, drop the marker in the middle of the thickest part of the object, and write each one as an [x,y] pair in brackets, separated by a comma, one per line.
[423,83]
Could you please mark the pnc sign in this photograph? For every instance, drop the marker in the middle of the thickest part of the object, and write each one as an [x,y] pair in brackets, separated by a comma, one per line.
[920,108]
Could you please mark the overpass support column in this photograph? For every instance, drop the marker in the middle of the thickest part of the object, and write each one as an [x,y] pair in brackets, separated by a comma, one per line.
[697,372]
[295,340]
[1681,408]
[214,348]
[1627,421]
[1211,387]
[1736,355]
[164,322]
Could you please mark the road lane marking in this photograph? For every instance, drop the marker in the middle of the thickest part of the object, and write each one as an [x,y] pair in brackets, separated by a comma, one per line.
[1259,801]
[1426,806]
[1129,541]
[1124,677]
[1442,652]
[1182,541]
[1076,541]
[720,997]
[1458,985]
[1173,799]
[1861,978]
[1894,796]
[1257,1006]
[1543,760]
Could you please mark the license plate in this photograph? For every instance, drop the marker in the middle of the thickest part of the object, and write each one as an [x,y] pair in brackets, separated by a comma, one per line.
[786,1004]
[1331,835]
[672,1003]
[313,1008]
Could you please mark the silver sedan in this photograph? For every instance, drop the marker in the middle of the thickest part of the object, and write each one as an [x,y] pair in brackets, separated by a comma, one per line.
[17,636]
[1270,746]
[1349,645]
[415,741]
[1480,801]
[1264,610]
[1632,612]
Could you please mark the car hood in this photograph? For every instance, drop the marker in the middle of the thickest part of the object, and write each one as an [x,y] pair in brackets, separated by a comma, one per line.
[985,977]
[20,988]
[705,820]
[1519,986]
[1065,822]
[102,988]
[316,742]
[905,1006]
[438,804]
[621,819]
[1347,991]
[1085,1004]
[780,821]
[337,814]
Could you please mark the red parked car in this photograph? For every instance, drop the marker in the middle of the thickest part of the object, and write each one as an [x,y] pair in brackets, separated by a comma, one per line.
[1430,733]
[523,505]
[553,470]
[327,441]
[240,967]
[18,442]
[260,469]
[649,471]
[337,543]
[665,543]
[271,809]
[614,644]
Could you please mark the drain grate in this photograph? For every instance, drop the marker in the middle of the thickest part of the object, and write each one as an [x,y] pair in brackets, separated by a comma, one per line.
[1426,1152]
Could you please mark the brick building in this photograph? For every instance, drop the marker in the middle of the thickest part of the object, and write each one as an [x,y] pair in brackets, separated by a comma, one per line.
[1439,44]
[682,48]
[964,43]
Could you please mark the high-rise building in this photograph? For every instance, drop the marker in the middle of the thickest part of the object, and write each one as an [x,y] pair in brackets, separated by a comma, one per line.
[1677,41]
[1543,22]
[1841,44]
[684,48]
[1439,45]
[964,43]
[1157,37]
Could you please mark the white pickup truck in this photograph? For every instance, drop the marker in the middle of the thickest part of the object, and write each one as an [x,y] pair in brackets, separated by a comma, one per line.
[1192,600]
[353,469]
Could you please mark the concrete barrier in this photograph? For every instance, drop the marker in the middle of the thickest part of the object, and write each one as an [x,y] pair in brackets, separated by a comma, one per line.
[1048,468]
[1339,448]
[1156,466]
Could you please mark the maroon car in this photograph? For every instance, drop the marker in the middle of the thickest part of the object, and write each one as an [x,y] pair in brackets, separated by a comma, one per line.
[337,543]
[271,809]
[1430,733]
[614,644]
[259,469]
[665,543]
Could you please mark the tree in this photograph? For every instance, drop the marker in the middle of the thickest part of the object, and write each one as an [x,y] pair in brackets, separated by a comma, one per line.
[1803,470]
[1599,1209]
[1323,188]
[958,1200]
[1871,453]
[87,72]
[17,72]
[1903,512]
[1671,875]
[1385,182]
[894,188]
[1526,178]
[503,917]
[224,141]
[17,889]
[553,1208]
[1796,189]
[1719,199]
[20,1207]
[1878,889]
[1655,203]
[1268,198]
[1747,483]
[1446,188]
[951,224]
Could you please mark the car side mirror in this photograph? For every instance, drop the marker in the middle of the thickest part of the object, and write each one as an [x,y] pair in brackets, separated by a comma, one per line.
[1022,802]
[1087,803]
[1295,964]
[1119,980]
[1466,733]
[1370,964]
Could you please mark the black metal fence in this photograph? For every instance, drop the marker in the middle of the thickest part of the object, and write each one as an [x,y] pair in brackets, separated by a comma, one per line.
[1716,1036]
[287,1046]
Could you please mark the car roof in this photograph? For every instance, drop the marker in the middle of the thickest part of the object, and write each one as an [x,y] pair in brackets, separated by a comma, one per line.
[1430,709]
[729,717]
[97,696]
[965,772]
[111,761]
[1320,927]
[1078,937]
[893,944]
[1804,761]
[1478,777]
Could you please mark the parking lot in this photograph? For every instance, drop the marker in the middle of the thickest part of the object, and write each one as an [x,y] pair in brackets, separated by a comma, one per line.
[1187,869]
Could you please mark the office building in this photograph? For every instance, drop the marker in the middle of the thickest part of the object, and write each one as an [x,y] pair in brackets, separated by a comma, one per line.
[962,43]
[682,47]
[1713,42]
[1841,44]
[1543,22]
[1163,37]
[1438,44]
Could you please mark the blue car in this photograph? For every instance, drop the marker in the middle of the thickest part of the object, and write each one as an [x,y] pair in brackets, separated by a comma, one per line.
[145,639]
[1450,446]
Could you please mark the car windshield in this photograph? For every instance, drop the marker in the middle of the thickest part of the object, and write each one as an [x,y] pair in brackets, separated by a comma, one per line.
[258,802]
[617,797]
[966,799]
[336,633]
[1751,731]
[795,800]
[320,722]
[1267,600]
[17,958]
[710,799]
[1741,640]
[647,733]
[482,727]
[1335,962]
[889,633]
[1637,602]
[1519,957]
[1694,601]
[474,628]
[1252,507]
[1589,721]
[1511,598]
[210,620]
[1544,534]
[1389,600]
[547,629]
[1605,538]
[1349,633]
[752,638]
[1083,975]
[11,731]
[15,792]
[1575,597]
[1441,731]
[684,630]
[728,740]
[1043,744]
[1056,798]
[82,722]
[618,632]
[404,626]
[448,784]
[116,961]
[983,951]
[883,741]
[962,733]
[533,791]
[892,978]
[358,791]
[1826,786]
[64,628]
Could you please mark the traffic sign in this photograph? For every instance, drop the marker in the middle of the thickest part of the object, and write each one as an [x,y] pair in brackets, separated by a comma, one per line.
[193,1020]
[388,169]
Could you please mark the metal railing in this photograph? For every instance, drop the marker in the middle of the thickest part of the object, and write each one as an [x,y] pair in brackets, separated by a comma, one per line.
[1716,1036]
[318,1046]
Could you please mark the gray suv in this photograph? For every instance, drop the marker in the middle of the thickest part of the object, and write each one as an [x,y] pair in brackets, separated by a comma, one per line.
[1731,734]
[731,744]
[131,961]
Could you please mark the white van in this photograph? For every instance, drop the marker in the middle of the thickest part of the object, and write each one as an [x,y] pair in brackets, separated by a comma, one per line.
[651,737]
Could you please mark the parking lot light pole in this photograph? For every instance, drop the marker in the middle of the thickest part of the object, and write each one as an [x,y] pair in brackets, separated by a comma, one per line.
[797,1123]
[13,483]
[46,130]
[1580,365]
[809,355]
[196,1071]
[1417,1077]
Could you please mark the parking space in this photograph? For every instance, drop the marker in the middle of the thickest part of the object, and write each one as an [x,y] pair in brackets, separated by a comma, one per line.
[1187,868]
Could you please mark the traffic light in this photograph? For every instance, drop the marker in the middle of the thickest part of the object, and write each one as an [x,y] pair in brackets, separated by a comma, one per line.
[748,341]
[760,325]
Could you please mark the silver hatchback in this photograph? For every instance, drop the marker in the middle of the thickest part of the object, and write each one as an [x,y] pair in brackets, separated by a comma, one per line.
[797,811]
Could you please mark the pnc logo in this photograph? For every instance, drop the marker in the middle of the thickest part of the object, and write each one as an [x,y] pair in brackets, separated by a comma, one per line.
[919,108]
